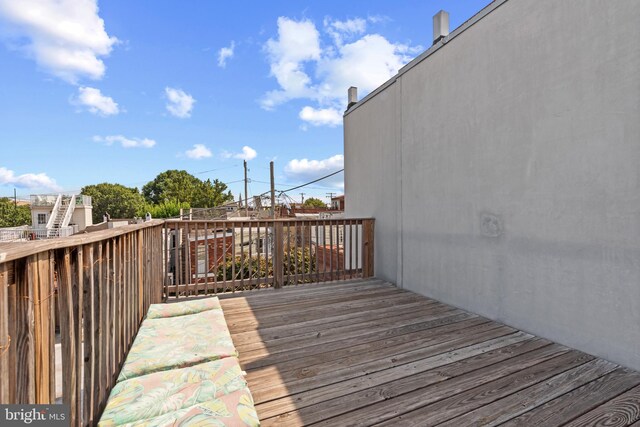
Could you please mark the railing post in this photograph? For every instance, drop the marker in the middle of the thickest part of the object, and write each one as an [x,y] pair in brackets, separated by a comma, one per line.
[278,252]
[140,265]
[5,337]
[367,248]
[68,325]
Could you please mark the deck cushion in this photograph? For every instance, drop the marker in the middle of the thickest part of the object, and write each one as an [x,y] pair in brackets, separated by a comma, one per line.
[177,342]
[212,389]
[157,311]
[232,410]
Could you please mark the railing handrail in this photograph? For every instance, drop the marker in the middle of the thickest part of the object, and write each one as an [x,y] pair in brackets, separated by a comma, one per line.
[253,221]
[54,211]
[14,251]
[68,214]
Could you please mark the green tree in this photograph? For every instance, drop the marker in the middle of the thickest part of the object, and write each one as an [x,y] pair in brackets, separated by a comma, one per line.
[163,210]
[312,202]
[179,186]
[13,216]
[115,199]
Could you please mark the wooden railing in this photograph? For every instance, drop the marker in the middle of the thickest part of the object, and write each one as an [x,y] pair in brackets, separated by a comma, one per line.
[103,283]
[208,257]
[96,288]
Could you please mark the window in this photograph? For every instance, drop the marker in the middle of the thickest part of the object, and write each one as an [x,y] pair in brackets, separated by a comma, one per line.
[202,260]
[263,245]
[42,219]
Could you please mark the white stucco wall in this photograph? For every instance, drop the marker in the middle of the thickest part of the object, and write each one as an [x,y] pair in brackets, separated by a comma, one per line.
[504,172]
[82,217]
[375,181]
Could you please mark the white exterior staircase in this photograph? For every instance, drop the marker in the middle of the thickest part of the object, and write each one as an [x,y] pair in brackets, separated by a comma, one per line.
[61,213]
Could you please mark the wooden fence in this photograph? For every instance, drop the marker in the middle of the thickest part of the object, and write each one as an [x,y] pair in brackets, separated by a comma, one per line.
[97,288]
[103,283]
[208,257]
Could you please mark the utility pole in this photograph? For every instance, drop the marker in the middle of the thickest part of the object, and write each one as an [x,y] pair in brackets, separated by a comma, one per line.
[15,199]
[273,191]
[302,194]
[246,195]
[330,196]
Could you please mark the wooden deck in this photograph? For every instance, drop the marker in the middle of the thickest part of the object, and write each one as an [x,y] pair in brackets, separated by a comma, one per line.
[365,353]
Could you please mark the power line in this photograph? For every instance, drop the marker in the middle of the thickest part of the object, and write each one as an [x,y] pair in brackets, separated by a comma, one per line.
[281,183]
[312,182]
[217,169]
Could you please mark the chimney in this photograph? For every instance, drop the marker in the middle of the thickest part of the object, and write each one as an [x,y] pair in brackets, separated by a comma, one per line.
[352,97]
[440,26]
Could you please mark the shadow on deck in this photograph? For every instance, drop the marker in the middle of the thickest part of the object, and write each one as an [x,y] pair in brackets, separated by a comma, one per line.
[366,352]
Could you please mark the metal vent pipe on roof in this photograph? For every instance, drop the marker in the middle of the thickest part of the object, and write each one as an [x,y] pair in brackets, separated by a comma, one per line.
[440,26]
[352,97]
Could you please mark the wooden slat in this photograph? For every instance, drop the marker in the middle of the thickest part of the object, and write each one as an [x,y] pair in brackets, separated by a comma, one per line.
[177,262]
[43,340]
[520,402]
[309,289]
[99,328]
[89,341]
[276,256]
[620,411]
[12,296]
[50,328]
[485,392]
[368,358]
[258,359]
[68,330]
[325,295]
[344,332]
[25,356]
[78,314]
[165,252]
[224,257]
[579,401]
[318,325]
[140,279]
[413,377]
[5,338]
[368,268]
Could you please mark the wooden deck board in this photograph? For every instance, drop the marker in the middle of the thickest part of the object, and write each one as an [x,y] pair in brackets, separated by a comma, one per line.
[363,353]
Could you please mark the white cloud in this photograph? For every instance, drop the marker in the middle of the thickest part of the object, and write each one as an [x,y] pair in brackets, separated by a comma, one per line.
[27,180]
[180,103]
[96,102]
[321,117]
[297,42]
[348,57]
[224,54]
[247,153]
[339,30]
[365,63]
[199,151]
[67,38]
[125,142]
[308,170]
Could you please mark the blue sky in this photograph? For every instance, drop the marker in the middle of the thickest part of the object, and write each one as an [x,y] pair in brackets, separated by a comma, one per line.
[120,91]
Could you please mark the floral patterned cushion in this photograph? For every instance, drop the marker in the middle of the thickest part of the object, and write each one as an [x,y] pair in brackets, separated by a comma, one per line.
[178,342]
[157,311]
[233,410]
[213,393]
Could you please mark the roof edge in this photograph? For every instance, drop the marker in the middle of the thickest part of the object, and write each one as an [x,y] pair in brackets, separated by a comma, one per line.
[427,53]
